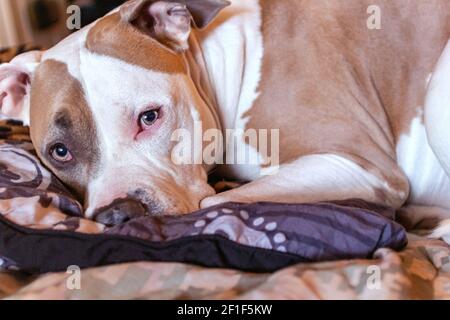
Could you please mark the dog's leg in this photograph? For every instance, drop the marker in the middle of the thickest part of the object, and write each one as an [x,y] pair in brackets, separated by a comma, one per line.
[313,179]
[442,232]
[437,121]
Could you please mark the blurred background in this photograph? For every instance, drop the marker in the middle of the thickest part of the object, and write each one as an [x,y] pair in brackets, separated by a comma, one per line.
[42,23]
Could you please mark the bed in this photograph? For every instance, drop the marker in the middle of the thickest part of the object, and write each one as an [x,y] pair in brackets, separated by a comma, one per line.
[37,212]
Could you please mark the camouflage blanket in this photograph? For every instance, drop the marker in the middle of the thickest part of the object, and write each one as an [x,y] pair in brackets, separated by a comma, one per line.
[422,271]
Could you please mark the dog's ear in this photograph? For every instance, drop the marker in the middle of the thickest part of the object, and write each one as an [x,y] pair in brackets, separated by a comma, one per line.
[169,21]
[15,80]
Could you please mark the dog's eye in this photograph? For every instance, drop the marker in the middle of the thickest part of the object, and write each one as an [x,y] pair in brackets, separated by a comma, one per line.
[60,153]
[148,118]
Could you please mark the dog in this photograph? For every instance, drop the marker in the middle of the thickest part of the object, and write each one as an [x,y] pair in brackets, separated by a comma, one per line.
[362,112]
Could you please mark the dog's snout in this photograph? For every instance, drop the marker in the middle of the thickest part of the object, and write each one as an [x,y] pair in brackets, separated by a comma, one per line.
[120,212]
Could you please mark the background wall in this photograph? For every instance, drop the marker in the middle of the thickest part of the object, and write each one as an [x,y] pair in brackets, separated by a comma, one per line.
[21,22]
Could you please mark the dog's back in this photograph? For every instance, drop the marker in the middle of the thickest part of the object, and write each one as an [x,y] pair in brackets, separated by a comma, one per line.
[353,87]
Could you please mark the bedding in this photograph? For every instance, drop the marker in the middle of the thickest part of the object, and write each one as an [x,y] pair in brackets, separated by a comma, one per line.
[421,271]
[42,229]
[36,206]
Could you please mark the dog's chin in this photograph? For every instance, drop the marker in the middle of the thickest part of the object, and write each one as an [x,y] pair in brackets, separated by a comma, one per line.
[177,204]
[181,202]
[178,209]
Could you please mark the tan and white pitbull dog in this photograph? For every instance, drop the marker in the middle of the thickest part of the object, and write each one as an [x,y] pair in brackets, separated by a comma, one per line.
[362,113]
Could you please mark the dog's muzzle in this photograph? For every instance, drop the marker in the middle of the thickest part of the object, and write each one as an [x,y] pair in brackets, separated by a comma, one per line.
[119,212]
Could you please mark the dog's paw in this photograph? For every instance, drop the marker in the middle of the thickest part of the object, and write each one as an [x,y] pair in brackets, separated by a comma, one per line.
[442,232]
[223,198]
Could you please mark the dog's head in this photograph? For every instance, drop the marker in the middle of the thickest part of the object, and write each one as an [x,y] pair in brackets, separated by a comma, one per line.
[103,104]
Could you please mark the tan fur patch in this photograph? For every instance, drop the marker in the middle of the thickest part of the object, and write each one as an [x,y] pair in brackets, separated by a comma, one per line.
[60,114]
[331,85]
[111,36]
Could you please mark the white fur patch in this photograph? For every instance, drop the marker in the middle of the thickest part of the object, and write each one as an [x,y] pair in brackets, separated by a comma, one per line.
[437,110]
[118,93]
[430,185]
[333,177]
[437,119]
[233,53]
[442,232]
[311,179]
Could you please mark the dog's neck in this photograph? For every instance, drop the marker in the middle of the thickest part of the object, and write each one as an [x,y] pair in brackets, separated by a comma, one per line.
[209,110]
[208,71]
[224,61]
[198,72]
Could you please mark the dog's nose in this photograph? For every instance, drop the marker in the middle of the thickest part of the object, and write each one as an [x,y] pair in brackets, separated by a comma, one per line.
[120,212]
